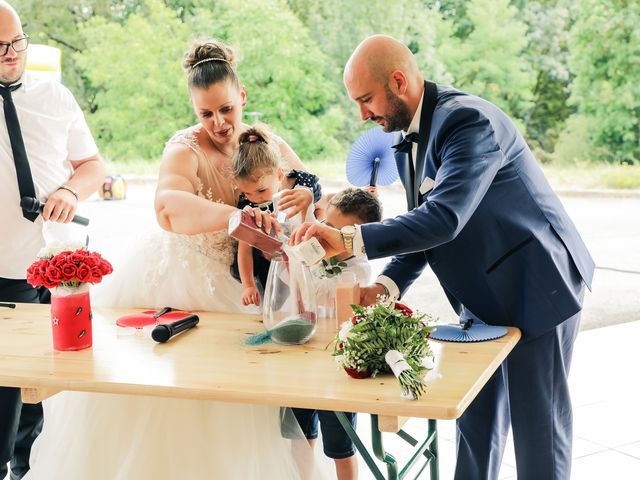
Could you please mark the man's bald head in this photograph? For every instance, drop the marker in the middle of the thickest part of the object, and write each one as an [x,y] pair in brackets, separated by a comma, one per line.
[382,77]
[8,14]
[12,63]
[379,56]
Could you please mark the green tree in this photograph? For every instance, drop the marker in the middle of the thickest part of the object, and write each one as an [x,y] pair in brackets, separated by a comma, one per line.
[338,27]
[547,54]
[141,96]
[56,23]
[605,58]
[488,62]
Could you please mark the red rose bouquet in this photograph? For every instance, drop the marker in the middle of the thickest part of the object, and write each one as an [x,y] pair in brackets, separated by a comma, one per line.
[68,270]
[68,266]
[387,338]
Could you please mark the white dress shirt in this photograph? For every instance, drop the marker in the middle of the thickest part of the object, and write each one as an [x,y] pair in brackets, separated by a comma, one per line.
[54,132]
[358,242]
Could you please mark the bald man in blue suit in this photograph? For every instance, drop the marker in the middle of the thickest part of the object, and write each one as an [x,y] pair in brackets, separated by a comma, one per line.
[484,218]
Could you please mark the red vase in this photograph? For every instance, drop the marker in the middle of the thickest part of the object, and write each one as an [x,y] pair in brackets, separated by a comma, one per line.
[71,321]
[352,372]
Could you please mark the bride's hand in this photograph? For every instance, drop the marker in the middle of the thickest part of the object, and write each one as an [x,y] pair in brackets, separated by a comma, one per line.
[265,220]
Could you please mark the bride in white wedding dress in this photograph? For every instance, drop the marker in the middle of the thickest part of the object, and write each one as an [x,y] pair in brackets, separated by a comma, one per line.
[89,436]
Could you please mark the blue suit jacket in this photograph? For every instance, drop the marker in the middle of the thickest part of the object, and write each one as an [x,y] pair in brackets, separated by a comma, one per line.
[492,230]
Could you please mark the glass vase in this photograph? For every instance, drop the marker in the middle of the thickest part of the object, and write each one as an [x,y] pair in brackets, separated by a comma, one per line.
[71,318]
[289,311]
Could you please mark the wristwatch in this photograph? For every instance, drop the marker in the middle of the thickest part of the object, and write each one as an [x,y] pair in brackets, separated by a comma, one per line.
[348,233]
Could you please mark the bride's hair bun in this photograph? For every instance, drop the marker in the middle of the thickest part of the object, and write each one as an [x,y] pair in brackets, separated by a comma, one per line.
[256,156]
[209,61]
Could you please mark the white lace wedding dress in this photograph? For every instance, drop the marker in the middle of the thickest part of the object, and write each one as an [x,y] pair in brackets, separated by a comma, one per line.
[89,436]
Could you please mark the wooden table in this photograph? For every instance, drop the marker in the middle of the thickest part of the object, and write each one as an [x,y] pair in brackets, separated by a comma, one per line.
[210,362]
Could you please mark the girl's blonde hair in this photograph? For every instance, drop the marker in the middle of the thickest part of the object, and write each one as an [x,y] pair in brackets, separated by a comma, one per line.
[256,156]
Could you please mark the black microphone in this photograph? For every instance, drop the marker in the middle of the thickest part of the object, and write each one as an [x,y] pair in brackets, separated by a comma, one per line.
[163,332]
[374,173]
[30,204]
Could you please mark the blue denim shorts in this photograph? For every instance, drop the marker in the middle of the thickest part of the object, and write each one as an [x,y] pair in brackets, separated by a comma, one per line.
[335,441]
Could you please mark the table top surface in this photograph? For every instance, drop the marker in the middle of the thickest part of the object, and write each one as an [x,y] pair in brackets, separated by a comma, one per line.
[211,362]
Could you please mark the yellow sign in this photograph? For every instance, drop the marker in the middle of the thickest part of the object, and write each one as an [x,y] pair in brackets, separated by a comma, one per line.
[44,60]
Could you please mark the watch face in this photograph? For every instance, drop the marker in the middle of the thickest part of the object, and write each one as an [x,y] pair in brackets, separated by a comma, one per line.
[348,230]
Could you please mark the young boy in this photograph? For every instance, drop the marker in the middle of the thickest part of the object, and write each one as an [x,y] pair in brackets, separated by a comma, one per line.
[352,206]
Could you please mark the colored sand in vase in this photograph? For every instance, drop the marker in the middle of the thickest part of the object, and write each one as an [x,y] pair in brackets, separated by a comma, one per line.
[292,330]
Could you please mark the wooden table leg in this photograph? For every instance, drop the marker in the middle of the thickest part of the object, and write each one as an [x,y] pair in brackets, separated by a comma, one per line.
[36,395]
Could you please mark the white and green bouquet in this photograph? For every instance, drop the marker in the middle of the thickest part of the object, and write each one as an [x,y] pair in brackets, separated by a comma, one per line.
[387,338]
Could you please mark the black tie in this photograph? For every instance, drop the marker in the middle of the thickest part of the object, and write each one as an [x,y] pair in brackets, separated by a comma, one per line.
[25,180]
[406,144]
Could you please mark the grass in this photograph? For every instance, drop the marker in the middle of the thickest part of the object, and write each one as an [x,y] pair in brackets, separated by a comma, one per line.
[561,175]
[593,176]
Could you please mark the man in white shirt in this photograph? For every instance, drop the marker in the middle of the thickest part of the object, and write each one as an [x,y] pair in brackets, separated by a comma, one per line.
[46,152]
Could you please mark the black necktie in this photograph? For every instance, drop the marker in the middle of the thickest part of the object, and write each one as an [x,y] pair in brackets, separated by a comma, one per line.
[406,144]
[23,171]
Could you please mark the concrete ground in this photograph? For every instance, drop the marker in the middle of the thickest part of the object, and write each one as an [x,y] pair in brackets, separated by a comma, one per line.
[607,424]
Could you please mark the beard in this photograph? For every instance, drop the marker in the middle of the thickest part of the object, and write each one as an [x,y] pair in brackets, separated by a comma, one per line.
[8,77]
[397,117]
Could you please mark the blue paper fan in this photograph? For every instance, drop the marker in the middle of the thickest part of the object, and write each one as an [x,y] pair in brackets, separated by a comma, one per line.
[362,168]
[469,332]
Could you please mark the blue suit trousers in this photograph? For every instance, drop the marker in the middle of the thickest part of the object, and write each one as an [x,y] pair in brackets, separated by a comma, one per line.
[530,393]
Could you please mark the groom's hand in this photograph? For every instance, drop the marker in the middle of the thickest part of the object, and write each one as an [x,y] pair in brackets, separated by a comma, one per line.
[329,238]
[369,295]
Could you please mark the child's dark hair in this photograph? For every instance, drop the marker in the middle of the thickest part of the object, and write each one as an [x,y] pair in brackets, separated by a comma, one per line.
[358,202]
[256,156]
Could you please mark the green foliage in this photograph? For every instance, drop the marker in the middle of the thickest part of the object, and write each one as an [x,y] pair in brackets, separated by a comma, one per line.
[547,54]
[331,267]
[605,57]
[338,27]
[141,96]
[488,62]
[566,70]
[363,342]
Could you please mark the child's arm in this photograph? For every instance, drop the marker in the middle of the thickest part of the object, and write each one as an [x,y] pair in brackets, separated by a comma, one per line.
[250,294]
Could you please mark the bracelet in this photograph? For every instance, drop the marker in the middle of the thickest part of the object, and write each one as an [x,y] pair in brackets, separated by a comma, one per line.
[71,190]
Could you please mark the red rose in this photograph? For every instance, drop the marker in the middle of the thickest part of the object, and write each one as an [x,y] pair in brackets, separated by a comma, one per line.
[340,346]
[352,372]
[91,261]
[404,309]
[69,271]
[34,275]
[105,267]
[52,277]
[83,273]
[96,275]
[58,261]
[78,256]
